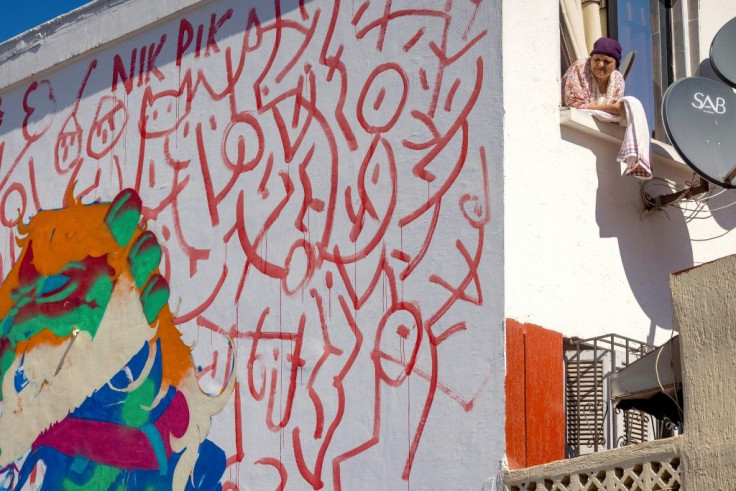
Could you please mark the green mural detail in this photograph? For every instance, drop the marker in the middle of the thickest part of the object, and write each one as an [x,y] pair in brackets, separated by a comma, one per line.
[85,317]
[136,406]
[103,478]
[123,217]
[153,297]
[144,258]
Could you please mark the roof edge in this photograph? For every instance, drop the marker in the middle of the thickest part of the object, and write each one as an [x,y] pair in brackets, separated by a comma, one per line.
[81,31]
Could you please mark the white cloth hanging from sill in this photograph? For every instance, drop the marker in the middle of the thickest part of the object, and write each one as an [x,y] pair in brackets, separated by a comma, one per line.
[635,151]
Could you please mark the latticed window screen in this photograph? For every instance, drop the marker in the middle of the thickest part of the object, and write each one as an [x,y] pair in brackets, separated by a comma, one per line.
[585,405]
[635,423]
[593,423]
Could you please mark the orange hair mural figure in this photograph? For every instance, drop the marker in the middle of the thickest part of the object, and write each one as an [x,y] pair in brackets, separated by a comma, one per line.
[94,377]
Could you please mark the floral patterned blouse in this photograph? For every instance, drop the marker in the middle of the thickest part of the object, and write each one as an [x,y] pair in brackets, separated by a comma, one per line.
[580,89]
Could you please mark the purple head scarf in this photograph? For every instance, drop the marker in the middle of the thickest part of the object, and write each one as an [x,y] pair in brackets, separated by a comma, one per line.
[609,47]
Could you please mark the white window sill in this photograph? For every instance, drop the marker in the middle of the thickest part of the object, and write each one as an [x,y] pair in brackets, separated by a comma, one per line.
[664,156]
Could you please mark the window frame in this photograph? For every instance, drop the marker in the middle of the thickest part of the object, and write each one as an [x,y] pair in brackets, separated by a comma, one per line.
[675,47]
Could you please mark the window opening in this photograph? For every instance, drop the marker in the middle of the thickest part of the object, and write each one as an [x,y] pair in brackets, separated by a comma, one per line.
[662,32]
[664,35]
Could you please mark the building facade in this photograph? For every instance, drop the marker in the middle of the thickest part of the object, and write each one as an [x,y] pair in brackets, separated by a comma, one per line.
[281,244]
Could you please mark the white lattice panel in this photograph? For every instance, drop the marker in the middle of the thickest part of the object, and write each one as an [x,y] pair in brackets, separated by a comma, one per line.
[647,476]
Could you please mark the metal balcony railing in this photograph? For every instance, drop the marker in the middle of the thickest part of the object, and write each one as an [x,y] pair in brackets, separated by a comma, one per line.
[593,422]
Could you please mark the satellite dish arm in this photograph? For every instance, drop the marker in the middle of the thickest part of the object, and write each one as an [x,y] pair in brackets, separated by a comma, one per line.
[651,202]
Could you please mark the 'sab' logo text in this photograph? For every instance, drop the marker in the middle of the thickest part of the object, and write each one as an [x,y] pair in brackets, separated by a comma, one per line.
[705,103]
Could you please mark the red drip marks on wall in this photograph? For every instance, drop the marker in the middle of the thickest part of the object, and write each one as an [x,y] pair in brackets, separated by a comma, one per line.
[278,132]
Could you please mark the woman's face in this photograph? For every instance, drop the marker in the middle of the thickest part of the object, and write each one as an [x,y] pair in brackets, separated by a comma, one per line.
[602,66]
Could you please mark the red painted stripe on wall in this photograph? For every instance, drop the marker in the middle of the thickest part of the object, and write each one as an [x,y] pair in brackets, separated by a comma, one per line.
[535,411]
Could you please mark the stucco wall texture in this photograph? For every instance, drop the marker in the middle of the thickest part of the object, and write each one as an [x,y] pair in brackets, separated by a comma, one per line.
[703,298]
[323,181]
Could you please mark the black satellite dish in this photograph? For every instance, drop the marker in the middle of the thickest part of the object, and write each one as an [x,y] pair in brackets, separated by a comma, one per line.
[700,120]
[722,53]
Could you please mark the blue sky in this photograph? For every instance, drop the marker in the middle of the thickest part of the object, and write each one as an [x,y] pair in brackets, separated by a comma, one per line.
[21,15]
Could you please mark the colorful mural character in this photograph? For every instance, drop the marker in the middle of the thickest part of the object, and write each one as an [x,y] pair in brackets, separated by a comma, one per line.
[96,383]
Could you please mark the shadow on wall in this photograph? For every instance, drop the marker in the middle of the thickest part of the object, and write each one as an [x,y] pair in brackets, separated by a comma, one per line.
[651,245]
[706,70]
[721,208]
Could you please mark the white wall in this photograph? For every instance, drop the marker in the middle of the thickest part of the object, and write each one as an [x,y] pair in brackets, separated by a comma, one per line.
[712,16]
[581,257]
[317,87]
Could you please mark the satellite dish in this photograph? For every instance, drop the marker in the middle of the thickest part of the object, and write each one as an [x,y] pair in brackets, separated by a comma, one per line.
[700,120]
[722,53]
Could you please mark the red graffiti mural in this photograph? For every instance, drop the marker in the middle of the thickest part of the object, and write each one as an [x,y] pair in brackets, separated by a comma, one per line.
[318,181]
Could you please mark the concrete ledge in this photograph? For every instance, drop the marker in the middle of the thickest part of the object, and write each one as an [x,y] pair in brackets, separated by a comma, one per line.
[664,156]
[80,32]
[619,457]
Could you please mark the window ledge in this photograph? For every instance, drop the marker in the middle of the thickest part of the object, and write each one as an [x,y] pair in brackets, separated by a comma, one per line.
[664,156]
